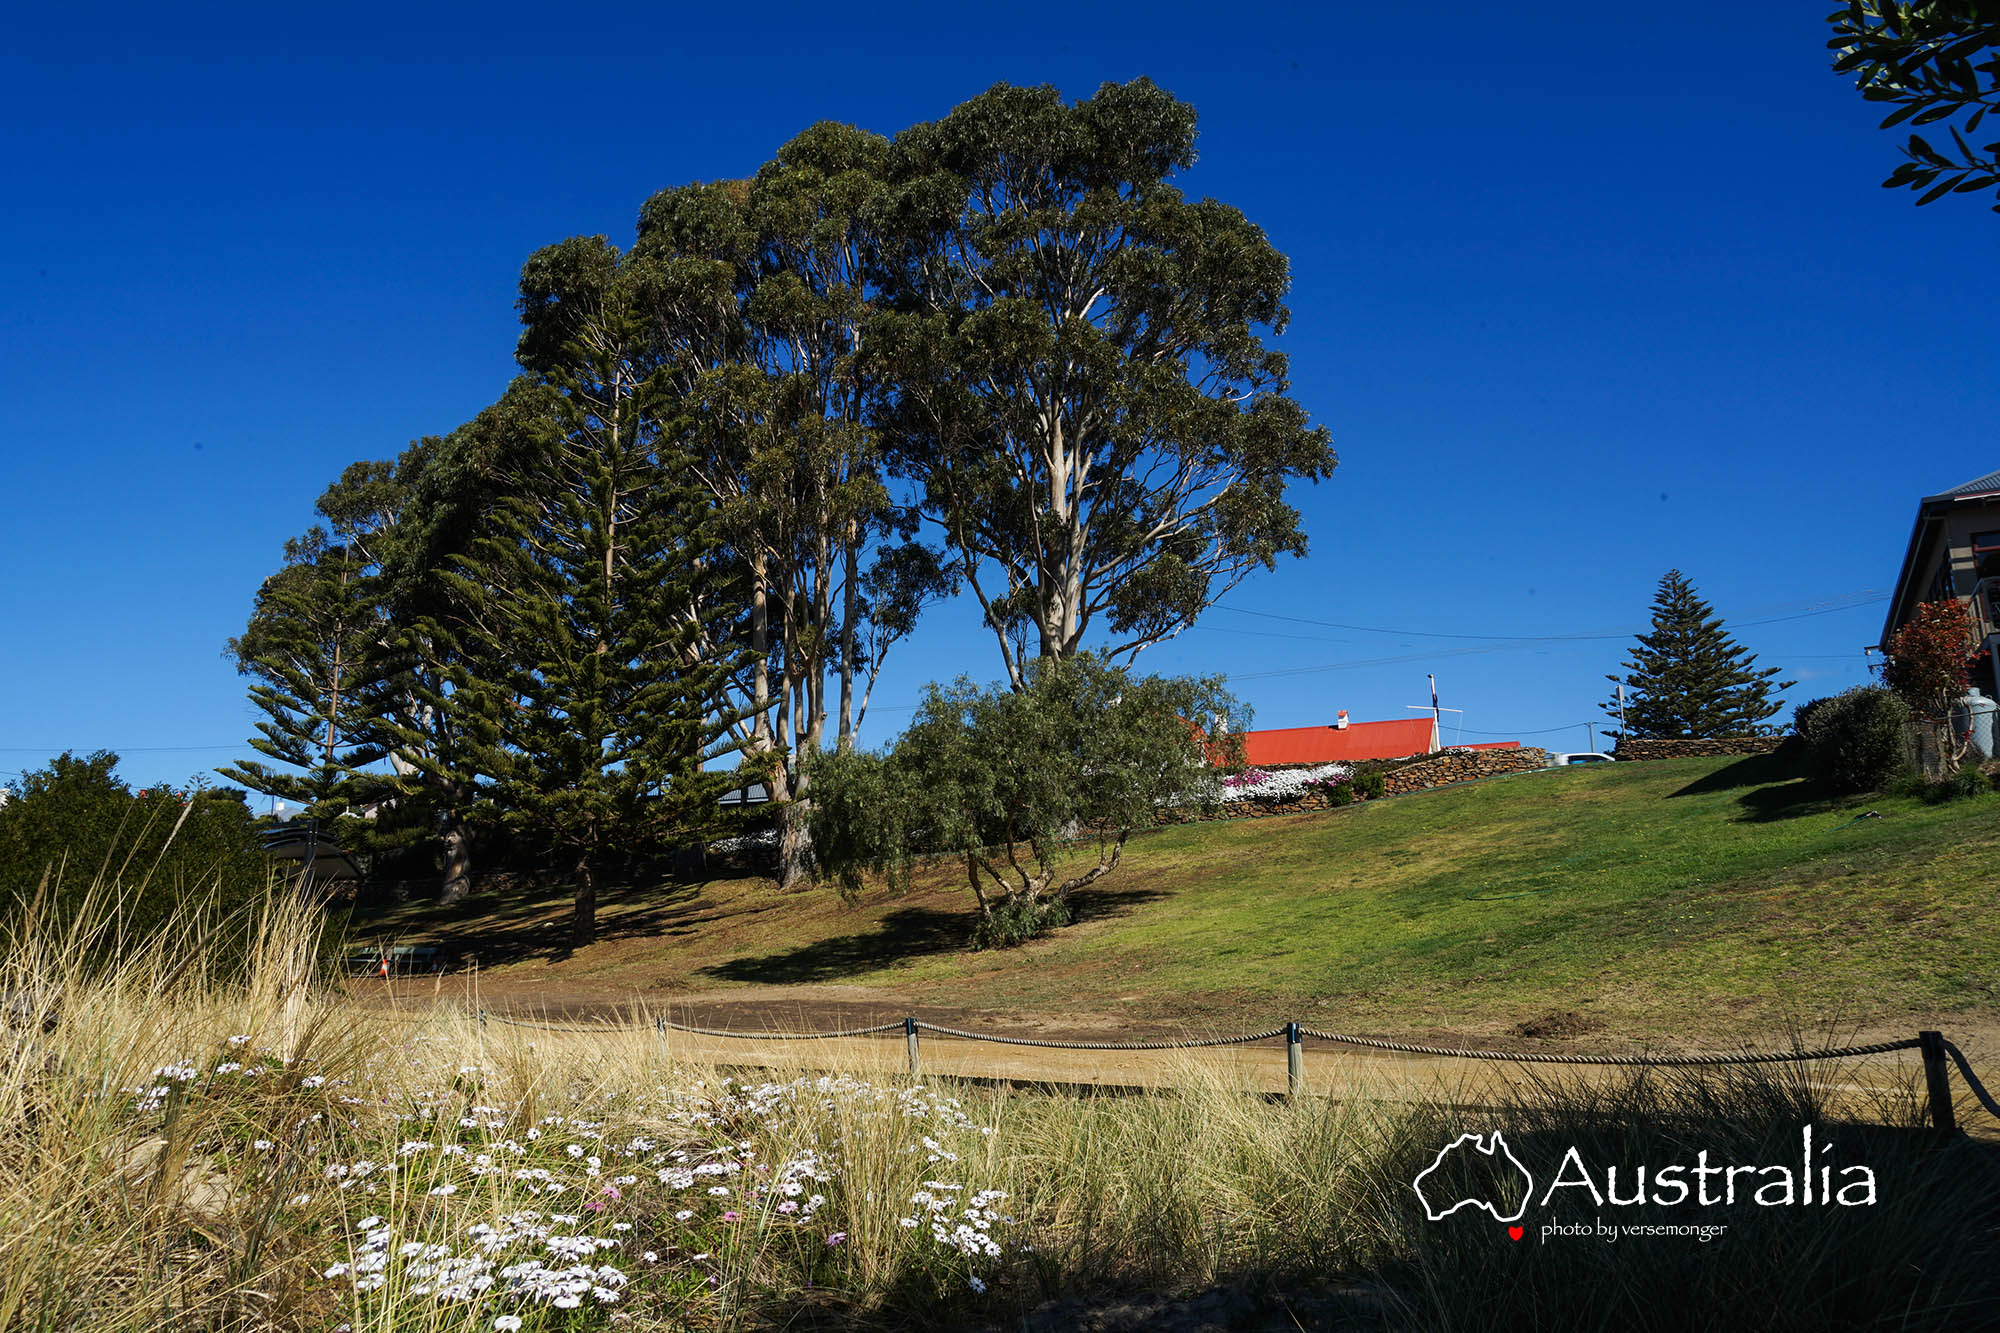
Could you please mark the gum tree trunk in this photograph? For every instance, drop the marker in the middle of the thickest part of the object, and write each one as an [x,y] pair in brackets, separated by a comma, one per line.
[457,883]
[583,927]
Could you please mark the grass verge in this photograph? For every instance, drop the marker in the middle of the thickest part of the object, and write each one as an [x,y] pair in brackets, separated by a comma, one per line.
[185,1151]
[1695,902]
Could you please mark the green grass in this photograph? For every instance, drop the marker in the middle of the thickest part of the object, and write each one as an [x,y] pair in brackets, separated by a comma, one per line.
[1700,899]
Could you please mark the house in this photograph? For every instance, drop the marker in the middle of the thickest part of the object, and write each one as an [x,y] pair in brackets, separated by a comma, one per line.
[315,853]
[1954,551]
[1343,742]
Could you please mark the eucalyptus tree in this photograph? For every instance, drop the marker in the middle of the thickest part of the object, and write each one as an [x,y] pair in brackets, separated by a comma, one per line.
[761,292]
[1074,368]
[601,704]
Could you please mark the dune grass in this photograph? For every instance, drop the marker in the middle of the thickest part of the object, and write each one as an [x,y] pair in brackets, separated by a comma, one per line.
[1694,901]
[184,1148]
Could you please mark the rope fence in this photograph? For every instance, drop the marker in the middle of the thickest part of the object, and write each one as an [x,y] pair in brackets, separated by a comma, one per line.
[1184,1044]
[1938,1053]
[1653,1061]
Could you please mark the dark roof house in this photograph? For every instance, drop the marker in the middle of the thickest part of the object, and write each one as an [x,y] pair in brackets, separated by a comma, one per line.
[1954,551]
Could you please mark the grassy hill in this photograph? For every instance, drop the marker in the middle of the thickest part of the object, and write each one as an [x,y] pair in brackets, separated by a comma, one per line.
[1695,900]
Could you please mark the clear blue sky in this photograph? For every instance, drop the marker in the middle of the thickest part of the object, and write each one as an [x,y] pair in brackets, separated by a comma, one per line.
[1583,293]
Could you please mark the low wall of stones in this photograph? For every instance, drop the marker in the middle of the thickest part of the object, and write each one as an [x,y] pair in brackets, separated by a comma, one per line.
[1440,770]
[1449,766]
[1714,746]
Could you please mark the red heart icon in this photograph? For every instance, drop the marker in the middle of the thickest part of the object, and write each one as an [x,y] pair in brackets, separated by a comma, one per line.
[1514,1233]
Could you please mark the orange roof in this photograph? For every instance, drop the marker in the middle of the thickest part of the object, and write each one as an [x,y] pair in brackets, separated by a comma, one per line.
[1325,745]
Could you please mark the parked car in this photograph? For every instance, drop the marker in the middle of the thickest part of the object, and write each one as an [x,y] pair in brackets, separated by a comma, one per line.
[1560,760]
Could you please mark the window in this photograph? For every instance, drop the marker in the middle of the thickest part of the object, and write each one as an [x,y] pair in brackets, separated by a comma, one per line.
[1986,554]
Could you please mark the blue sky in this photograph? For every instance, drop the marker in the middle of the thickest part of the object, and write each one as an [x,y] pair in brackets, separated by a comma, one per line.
[1582,293]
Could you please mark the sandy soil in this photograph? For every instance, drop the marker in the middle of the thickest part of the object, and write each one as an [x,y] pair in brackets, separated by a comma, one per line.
[1330,1069]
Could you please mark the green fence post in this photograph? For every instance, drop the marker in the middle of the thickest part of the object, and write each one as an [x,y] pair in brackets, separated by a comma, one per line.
[1937,1074]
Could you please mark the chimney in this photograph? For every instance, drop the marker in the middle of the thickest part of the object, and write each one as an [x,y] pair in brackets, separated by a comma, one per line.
[1340,720]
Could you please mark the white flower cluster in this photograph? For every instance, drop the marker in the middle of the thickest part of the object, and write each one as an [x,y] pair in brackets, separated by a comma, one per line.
[434,1271]
[747,843]
[1285,784]
[967,1230]
[515,1218]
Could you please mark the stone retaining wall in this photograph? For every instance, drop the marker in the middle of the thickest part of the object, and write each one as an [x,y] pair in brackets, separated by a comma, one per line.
[1636,749]
[1440,770]
[1449,766]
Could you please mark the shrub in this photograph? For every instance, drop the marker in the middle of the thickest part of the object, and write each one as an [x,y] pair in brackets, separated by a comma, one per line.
[1928,662]
[1968,779]
[1372,785]
[1856,741]
[83,840]
[1021,785]
[1018,920]
[1342,793]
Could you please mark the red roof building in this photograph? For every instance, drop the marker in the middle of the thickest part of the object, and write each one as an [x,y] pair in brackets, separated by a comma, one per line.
[1345,745]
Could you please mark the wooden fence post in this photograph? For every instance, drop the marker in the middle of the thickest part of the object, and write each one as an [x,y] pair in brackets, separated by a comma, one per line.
[910,1036]
[1295,1059]
[1937,1074]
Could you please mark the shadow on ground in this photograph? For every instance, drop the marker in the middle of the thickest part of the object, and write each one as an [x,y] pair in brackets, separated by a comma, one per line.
[538,926]
[902,935]
[1773,786]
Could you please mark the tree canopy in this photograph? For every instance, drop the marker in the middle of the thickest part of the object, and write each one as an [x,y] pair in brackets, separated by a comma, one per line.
[1688,678]
[1075,371]
[1035,790]
[744,453]
[1937,62]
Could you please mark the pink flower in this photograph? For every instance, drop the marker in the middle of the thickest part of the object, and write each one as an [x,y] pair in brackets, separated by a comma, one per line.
[595,1205]
[731,1216]
[837,1238]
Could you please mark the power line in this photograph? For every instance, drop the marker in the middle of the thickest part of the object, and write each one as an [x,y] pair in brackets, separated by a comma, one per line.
[119,749]
[1542,731]
[1848,602]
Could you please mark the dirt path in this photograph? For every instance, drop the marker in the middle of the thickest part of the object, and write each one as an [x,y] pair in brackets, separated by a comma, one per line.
[1860,1085]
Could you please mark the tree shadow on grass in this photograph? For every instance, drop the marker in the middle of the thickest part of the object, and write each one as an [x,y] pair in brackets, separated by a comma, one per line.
[512,928]
[1773,787]
[1755,770]
[901,935]
[907,932]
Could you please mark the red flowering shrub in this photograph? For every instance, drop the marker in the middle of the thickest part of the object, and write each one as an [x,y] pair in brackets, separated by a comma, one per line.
[1929,664]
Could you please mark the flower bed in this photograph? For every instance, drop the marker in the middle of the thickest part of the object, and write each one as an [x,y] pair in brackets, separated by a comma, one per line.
[1265,785]
[676,1205]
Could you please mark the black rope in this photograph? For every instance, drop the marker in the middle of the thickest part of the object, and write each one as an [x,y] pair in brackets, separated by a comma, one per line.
[1971,1079]
[1675,1061]
[1340,1038]
[1104,1045]
[580,1029]
[896,1026]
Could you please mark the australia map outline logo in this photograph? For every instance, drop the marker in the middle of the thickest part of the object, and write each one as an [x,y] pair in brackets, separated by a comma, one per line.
[1493,1148]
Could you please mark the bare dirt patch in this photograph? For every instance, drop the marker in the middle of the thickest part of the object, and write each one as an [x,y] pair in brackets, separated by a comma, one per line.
[1559,1024]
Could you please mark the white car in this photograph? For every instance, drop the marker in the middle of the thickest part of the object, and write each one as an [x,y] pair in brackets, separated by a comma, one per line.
[1562,760]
